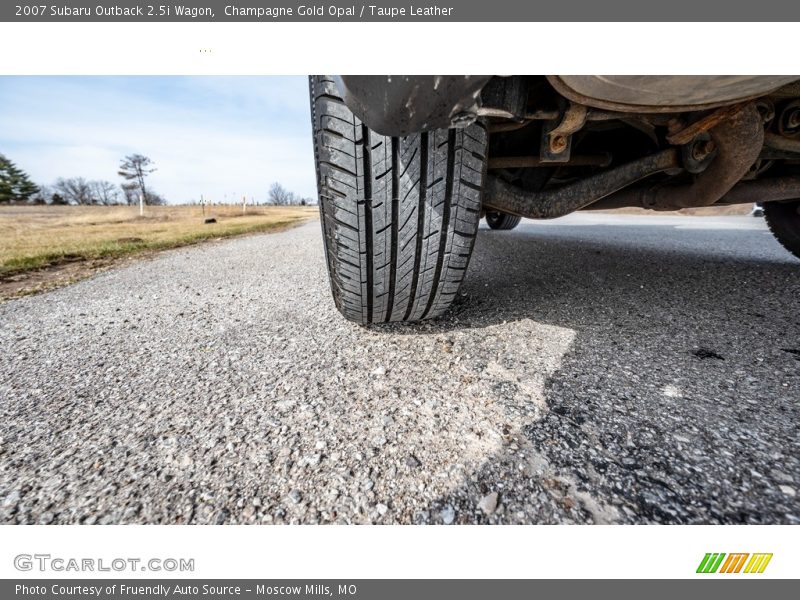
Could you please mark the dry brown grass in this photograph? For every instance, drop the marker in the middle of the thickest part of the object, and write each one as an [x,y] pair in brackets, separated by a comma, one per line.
[35,237]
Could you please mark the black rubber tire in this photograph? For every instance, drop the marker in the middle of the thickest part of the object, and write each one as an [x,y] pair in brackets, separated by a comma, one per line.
[399,215]
[501,221]
[783,219]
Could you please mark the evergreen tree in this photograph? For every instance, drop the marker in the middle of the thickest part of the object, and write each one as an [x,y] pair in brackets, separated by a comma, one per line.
[15,185]
[6,180]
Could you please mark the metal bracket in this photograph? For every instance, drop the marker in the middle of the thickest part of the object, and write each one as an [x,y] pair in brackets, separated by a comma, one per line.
[556,142]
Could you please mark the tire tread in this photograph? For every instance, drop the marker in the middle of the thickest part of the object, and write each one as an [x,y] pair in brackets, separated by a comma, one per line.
[399,215]
[783,220]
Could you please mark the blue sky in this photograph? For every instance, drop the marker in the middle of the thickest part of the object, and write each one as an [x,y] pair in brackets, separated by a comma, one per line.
[217,136]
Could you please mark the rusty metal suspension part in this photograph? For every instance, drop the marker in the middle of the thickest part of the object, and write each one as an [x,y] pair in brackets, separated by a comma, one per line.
[738,140]
[550,204]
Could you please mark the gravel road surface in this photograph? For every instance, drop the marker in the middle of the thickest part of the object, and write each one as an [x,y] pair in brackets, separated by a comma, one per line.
[597,369]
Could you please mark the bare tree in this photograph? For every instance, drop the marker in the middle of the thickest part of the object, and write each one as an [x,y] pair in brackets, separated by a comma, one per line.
[130,191]
[43,196]
[74,190]
[104,192]
[134,168]
[279,195]
[155,199]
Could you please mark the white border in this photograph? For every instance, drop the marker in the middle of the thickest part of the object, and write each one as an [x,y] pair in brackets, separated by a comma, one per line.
[299,48]
[372,552]
[422,48]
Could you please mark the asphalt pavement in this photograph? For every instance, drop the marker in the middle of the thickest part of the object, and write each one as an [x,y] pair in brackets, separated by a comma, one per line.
[595,369]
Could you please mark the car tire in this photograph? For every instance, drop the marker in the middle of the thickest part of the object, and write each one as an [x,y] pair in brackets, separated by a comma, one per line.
[502,221]
[399,214]
[783,219]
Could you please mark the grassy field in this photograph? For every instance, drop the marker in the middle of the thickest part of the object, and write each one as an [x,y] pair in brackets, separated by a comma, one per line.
[37,237]
[42,247]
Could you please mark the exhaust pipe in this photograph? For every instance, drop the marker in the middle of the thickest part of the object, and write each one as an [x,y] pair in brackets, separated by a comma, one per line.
[772,189]
[775,189]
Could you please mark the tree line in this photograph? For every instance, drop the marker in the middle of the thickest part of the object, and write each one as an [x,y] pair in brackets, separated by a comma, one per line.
[280,196]
[16,186]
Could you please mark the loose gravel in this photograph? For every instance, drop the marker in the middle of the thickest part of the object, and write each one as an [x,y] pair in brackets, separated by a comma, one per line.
[596,369]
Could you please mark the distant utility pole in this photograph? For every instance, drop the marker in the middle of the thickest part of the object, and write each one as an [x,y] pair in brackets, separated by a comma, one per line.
[203,204]
[244,204]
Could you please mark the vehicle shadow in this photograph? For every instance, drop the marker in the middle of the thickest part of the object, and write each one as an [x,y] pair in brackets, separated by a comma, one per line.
[677,400]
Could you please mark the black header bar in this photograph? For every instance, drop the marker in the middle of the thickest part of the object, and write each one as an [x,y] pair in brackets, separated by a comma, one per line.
[399,11]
